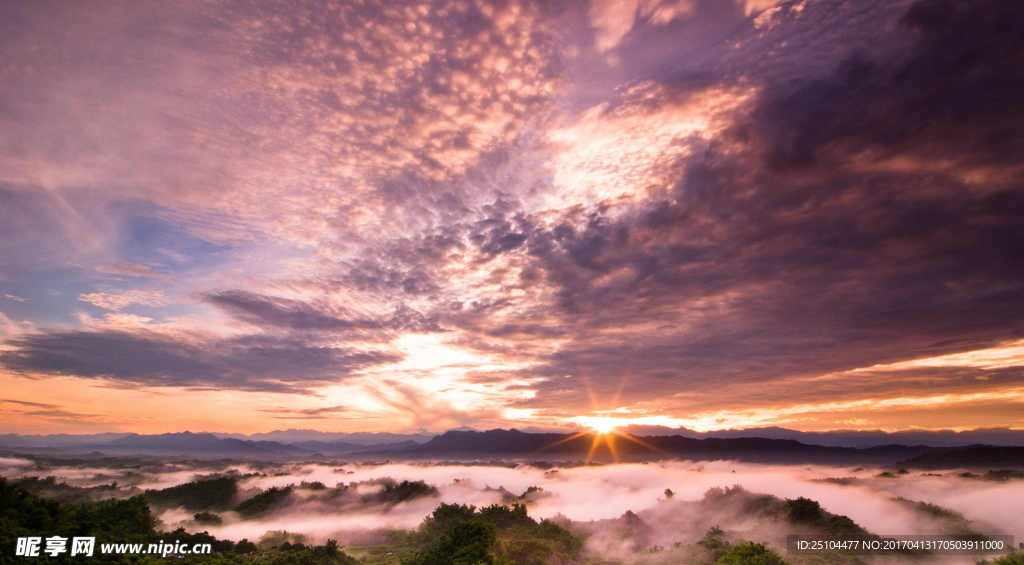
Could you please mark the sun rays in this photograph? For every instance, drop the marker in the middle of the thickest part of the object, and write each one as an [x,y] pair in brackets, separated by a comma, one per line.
[607,438]
[603,429]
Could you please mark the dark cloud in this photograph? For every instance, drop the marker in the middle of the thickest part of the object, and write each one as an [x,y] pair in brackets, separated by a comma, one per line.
[297,315]
[245,363]
[494,236]
[956,100]
[406,267]
[27,403]
[50,411]
[862,218]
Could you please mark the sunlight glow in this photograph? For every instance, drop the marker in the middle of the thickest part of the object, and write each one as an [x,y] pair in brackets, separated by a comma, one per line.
[600,424]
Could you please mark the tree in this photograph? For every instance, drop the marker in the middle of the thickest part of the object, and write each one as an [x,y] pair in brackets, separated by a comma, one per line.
[1011,559]
[750,553]
[263,502]
[466,543]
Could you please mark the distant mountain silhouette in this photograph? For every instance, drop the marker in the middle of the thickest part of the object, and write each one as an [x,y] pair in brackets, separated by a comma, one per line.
[852,438]
[173,440]
[188,443]
[343,448]
[472,445]
[496,444]
[57,440]
[974,457]
[378,440]
[296,437]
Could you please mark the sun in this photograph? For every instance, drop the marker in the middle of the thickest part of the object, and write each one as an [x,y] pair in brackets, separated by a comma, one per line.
[603,431]
[602,425]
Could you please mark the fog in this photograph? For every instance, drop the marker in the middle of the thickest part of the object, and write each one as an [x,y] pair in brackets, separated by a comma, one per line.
[592,499]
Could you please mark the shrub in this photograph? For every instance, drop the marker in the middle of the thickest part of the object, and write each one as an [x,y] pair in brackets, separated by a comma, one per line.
[750,553]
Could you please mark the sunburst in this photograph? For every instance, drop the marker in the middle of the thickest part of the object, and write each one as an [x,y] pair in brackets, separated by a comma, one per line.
[607,438]
[603,429]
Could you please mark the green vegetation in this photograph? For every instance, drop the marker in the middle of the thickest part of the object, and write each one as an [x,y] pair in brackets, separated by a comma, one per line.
[110,521]
[130,521]
[453,534]
[300,554]
[951,522]
[807,512]
[206,494]
[529,495]
[804,516]
[933,510]
[470,542]
[713,544]
[457,534]
[406,490]
[1010,559]
[278,538]
[208,518]
[750,553]
[1004,475]
[750,504]
[50,488]
[263,502]
[720,552]
[845,481]
[530,490]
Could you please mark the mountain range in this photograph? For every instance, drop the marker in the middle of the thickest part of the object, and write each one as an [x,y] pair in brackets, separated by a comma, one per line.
[347,442]
[472,445]
[853,438]
[194,445]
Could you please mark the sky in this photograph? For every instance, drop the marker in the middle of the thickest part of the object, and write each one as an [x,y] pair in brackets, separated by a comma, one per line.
[362,215]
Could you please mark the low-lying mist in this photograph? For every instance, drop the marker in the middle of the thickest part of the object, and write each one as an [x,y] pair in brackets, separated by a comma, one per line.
[621,509]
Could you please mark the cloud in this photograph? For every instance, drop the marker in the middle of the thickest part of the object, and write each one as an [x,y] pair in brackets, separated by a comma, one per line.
[130,270]
[151,359]
[309,411]
[41,230]
[756,6]
[117,301]
[1004,356]
[323,413]
[815,234]
[704,496]
[293,314]
[735,205]
[27,403]
[8,327]
[52,412]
